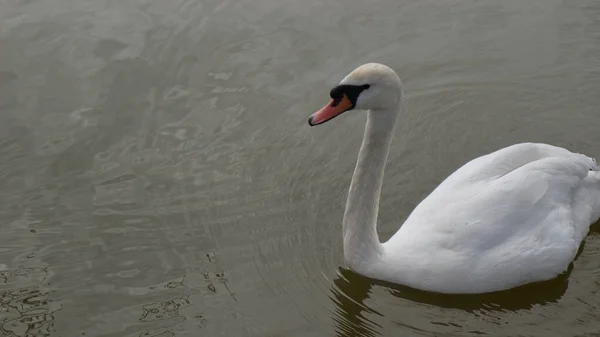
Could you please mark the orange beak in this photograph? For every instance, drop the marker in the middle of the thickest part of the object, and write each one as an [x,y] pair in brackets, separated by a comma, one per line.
[330,111]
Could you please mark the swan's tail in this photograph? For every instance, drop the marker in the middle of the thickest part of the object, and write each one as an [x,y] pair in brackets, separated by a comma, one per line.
[586,203]
[594,191]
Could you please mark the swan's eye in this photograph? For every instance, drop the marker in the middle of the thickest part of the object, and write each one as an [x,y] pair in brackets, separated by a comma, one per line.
[337,92]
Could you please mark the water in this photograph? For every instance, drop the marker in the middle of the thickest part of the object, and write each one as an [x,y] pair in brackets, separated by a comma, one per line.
[158,176]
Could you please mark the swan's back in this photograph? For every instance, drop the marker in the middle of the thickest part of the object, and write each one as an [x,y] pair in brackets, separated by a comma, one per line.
[503,161]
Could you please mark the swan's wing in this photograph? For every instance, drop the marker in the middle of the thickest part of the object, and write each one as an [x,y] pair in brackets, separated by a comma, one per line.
[519,199]
[520,162]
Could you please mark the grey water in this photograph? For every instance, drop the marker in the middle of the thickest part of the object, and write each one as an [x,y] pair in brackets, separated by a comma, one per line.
[158,176]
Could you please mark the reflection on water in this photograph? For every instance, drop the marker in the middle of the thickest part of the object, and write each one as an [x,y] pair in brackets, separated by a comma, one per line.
[158,177]
[25,310]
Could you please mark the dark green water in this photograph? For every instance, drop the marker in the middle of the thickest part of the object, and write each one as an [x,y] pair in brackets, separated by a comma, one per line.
[158,176]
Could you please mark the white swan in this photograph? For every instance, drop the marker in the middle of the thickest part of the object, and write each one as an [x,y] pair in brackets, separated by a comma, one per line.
[514,216]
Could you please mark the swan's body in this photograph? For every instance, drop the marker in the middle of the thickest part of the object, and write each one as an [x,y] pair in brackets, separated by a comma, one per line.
[514,216]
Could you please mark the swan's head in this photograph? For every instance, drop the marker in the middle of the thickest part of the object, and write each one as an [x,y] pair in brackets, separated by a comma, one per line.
[371,86]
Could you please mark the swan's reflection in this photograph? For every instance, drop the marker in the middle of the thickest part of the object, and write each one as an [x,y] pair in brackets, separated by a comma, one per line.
[350,290]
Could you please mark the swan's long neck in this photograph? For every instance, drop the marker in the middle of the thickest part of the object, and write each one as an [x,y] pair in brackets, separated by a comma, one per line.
[361,242]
